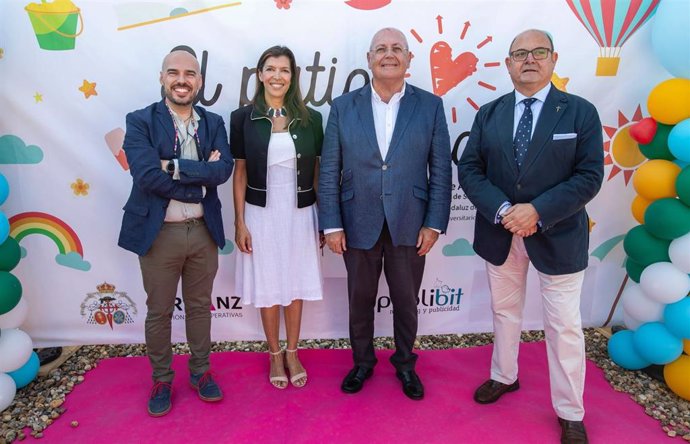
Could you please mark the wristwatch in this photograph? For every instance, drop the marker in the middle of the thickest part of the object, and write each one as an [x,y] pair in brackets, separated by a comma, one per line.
[170,168]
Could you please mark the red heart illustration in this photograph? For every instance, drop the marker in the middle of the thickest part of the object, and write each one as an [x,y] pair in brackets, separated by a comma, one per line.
[446,73]
[643,131]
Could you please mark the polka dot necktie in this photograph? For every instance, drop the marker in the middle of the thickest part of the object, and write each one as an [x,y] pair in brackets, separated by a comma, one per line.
[523,135]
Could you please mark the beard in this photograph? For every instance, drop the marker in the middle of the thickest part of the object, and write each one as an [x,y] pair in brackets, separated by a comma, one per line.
[180,102]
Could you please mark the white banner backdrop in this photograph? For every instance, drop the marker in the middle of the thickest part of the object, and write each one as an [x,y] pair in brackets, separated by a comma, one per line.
[70,73]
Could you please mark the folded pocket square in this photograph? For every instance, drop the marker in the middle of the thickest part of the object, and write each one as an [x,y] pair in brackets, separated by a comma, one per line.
[564,136]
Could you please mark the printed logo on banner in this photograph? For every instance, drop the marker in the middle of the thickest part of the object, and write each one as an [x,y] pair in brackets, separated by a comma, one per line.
[108,307]
[221,307]
[437,299]
[621,151]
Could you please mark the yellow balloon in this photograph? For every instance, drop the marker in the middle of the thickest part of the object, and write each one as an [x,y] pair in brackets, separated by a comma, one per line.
[677,376]
[669,101]
[656,179]
[638,207]
[686,346]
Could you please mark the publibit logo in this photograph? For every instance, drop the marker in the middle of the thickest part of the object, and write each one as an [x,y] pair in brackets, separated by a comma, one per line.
[439,298]
[107,306]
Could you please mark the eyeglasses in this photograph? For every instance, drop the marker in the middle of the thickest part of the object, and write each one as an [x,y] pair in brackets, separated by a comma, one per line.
[381,51]
[520,55]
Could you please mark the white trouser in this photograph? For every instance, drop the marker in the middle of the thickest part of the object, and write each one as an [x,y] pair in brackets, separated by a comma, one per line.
[565,342]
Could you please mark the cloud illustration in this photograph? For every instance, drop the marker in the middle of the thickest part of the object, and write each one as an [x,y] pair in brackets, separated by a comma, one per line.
[13,150]
[229,247]
[73,260]
[460,247]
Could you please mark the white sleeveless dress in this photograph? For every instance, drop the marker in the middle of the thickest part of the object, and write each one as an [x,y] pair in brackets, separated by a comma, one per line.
[284,264]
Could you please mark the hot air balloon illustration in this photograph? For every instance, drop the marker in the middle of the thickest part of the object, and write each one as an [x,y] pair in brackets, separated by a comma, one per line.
[611,23]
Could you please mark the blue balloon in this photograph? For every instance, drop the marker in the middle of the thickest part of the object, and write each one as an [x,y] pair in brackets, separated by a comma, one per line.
[671,36]
[4,189]
[677,318]
[27,372]
[623,353]
[656,344]
[4,227]
[679,140]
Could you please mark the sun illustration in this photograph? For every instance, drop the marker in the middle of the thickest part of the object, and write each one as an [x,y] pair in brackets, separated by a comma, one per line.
[448,72]
[622,152]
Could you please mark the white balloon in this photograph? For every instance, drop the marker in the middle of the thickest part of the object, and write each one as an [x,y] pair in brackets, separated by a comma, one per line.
[630,323]
[665,283]
[15,349]
[640,307]
[7,391]
[15,317]
[679,252]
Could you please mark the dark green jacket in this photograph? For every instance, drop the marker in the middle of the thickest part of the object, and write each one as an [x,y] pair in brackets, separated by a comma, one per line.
[250,133]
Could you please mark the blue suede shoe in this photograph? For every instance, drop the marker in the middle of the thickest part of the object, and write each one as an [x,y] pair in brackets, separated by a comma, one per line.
[206,387]
[159,400]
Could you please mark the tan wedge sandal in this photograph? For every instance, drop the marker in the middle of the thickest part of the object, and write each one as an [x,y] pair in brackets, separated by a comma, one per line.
[277,376]
[298,375]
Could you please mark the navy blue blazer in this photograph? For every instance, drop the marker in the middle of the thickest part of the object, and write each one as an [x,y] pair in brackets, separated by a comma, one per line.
[150,137]
[409,189]
[562,171]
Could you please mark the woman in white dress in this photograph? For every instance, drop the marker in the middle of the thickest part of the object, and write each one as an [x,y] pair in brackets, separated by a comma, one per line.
[276,142]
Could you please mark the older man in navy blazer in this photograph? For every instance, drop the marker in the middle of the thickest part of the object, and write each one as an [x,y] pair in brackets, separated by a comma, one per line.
[533,160]
[178,154]
[384,197]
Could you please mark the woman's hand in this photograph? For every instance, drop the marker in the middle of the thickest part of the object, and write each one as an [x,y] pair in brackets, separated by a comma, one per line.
[243,238]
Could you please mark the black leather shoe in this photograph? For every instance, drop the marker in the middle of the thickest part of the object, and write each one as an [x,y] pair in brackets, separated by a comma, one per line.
[491,390]
[354,381]
[411,384]
[573,432]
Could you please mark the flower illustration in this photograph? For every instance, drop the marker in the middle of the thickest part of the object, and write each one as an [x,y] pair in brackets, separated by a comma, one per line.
[80,188]
[283,4]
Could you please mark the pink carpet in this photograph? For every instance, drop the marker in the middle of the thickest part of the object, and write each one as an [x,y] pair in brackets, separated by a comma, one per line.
[110,405]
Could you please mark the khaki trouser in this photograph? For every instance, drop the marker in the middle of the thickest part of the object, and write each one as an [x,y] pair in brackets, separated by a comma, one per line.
[186,250]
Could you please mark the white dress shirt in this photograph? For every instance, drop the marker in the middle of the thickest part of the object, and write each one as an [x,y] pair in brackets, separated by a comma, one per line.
[385,115]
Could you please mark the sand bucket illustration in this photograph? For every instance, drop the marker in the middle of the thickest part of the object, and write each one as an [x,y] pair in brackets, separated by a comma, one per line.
[55,24]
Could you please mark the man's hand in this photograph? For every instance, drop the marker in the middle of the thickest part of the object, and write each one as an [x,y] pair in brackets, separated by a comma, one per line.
[215,156]
[521,219]
[425,240]
[164,164]
[336,242]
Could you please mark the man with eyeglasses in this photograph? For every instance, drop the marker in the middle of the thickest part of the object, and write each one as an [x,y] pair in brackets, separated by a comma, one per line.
[384,198]
[533,160]
[178,154]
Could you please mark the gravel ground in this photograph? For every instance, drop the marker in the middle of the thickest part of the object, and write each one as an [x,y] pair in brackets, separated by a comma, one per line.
[40,403]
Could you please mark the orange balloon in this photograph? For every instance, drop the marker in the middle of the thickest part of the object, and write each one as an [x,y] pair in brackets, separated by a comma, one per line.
[656,179]
[677,376]
[638,207]
[669,101]
[686,346]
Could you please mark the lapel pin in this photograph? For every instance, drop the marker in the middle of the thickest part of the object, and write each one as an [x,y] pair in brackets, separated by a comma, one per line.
[558,108]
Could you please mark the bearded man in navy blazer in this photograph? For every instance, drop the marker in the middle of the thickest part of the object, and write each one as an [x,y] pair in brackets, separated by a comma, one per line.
[178,154]
[533,160]
[384,197]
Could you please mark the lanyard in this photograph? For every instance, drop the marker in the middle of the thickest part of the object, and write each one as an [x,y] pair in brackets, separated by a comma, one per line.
[177,144]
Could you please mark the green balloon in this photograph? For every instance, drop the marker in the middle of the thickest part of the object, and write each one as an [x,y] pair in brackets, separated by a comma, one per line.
[667,218]
[644,248]
[10,254]
[658,147]
[10,292]
[683,185]
[634,269]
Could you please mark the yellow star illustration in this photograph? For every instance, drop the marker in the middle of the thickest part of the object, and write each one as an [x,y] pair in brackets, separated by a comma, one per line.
[88,88]
[559,82]
[591,224]
[38,97]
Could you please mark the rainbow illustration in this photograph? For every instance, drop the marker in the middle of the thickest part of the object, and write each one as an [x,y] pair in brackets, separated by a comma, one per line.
[34,222]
